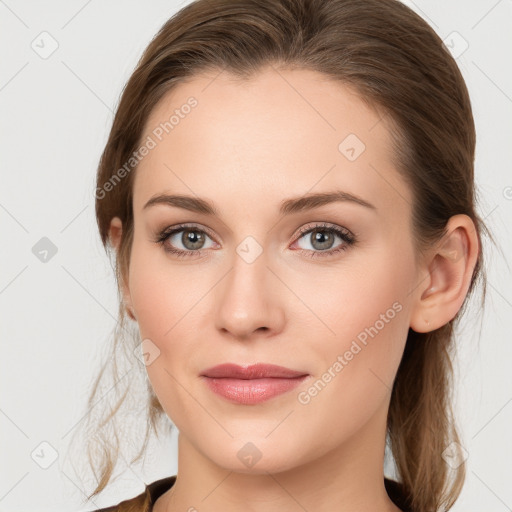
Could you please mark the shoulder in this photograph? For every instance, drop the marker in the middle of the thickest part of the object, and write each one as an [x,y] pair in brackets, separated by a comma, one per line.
[143,502]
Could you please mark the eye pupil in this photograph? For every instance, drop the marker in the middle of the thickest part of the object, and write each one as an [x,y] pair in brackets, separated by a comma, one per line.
[191,236]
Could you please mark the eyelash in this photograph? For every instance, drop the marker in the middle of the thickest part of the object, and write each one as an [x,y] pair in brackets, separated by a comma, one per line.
[348,238]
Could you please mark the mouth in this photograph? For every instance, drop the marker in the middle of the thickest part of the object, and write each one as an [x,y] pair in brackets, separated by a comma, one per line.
[251,384]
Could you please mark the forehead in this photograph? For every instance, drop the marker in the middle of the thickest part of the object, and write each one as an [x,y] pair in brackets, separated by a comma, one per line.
[283,133]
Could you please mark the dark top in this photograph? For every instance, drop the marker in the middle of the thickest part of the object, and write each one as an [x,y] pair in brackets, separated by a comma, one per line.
[144,501]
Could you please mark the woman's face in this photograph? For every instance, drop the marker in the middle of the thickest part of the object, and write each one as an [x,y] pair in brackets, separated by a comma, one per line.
[256,283]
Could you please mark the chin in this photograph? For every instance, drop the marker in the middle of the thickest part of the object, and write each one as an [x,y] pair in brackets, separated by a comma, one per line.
[255,459]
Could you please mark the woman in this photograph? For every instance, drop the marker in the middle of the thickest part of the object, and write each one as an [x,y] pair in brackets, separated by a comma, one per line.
[288,189]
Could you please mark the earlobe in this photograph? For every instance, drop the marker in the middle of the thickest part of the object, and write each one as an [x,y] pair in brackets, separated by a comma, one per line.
[450,268]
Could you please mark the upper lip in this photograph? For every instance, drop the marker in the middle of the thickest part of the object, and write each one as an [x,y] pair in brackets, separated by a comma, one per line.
[253,371]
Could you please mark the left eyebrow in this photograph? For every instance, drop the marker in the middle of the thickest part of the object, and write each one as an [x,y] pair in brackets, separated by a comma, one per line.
[288,206]
[311,201]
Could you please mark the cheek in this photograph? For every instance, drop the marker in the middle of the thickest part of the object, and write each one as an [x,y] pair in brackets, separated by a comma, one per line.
[351,300]
[365,312]
[354,380]
[163,299]
[157,292]
[151,305]
[167,299]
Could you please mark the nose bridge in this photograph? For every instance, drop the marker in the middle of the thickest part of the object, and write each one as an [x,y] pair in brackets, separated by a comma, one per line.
[247,300]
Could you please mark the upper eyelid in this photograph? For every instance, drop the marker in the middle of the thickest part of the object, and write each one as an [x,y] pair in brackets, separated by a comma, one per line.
[179,227]
[325,225]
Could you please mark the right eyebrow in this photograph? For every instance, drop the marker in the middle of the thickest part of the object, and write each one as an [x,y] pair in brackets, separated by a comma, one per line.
[190,203]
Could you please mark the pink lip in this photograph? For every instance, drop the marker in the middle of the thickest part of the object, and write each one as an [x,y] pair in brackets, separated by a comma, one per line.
[251,384]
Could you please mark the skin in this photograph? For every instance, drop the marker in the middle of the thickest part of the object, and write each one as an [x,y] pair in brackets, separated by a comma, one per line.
[247,147]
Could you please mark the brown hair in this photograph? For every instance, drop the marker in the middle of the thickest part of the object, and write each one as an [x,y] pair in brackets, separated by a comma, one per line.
[398,65]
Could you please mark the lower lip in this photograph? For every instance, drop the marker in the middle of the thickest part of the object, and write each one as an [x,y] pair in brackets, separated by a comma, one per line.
[252,391]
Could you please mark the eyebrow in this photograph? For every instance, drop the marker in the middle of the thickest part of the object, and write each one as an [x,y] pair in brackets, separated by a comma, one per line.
[288,206]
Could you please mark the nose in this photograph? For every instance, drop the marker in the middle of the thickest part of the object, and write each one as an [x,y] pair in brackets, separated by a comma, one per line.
[248,301]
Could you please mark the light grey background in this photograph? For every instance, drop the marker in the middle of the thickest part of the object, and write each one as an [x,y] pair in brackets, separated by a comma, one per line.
[56,111]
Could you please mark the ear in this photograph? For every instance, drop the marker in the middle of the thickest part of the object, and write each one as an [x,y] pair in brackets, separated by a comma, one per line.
[446,276]
[115,235]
